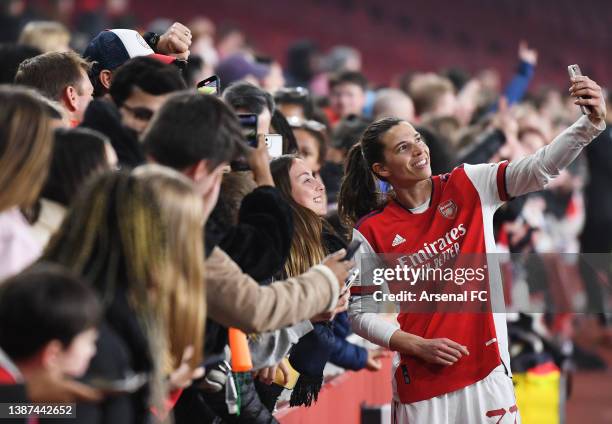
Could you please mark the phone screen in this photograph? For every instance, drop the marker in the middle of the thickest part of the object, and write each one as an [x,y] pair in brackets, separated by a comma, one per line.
[248,122]
[210,85]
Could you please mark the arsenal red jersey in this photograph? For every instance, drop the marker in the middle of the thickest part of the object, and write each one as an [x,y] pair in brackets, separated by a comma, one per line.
[459,220]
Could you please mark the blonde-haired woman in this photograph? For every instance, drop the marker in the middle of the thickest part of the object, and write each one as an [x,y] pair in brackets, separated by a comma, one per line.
[137,239]
[26,139]
[47,36]
[182,210]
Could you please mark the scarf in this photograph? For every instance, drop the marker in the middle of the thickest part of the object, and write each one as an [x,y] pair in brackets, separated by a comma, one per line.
[309,357]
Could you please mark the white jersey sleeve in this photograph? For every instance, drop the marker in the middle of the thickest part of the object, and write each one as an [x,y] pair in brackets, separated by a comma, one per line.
[368,325]
[498,182]
[533,172]
[489,181]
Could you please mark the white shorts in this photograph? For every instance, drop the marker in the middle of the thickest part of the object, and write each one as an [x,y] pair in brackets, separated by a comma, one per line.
[489,401]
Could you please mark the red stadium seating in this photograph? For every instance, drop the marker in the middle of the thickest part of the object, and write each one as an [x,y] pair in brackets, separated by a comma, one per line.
[395,36]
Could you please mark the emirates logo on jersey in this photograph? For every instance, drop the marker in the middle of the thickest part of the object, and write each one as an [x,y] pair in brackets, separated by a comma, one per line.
[448,209]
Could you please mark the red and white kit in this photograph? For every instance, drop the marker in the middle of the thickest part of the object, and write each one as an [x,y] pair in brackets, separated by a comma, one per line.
[458,217]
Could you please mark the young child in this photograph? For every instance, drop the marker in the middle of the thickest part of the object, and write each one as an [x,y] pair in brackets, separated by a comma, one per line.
[48,324]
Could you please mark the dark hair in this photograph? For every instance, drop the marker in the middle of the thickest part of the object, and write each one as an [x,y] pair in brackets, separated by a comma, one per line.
[349,131]
[191,127]
[348,77]
[296,96]
[441,157]
[42,304]
[78,153]
[193,69]
[12,55]
[148,74]
[234,187]
[244,95]
[300,63]
[279,168]
[457,76]
[94,76]
[282,127]
[312,128]
[51,73]
[359,194]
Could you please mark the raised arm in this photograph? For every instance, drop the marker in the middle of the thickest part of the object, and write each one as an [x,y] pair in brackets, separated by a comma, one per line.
[234,299]
[533,172]
[497,182]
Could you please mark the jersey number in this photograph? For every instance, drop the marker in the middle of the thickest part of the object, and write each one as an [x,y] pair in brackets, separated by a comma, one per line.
[501,413]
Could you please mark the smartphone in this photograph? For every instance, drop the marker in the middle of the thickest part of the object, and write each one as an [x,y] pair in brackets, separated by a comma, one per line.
[129,384]
[274,143]
[574,71]
[248,122]
[210,85]
[351,250]
[350,280]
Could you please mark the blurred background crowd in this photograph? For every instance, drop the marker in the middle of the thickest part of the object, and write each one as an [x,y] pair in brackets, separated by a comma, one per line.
[114,169]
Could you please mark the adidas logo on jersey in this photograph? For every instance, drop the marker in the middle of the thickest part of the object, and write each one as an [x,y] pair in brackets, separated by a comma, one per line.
[398,240]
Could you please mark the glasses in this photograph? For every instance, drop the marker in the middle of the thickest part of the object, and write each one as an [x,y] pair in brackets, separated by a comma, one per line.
[140,113]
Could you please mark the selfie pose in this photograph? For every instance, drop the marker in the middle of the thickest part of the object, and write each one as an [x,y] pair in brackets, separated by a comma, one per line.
[449,367]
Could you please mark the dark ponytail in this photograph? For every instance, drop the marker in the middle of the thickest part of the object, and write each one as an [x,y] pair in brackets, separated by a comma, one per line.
[359,193]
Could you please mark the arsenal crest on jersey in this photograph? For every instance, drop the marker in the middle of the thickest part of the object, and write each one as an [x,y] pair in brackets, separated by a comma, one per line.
[448,209]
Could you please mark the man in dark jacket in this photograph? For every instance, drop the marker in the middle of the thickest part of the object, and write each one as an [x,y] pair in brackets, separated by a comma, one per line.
[597,233]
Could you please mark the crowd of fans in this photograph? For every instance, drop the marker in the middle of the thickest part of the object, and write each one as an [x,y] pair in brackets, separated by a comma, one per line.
[130,244]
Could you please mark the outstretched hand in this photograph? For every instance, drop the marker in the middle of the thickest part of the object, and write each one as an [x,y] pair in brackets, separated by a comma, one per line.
[592,98]
[526,54]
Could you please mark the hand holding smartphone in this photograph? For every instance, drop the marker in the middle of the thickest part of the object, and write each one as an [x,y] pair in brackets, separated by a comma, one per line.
[350,281]
[574,71]
[248,122]
[350,253]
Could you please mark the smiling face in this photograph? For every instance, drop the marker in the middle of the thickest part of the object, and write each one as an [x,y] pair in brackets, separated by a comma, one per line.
[306,190]
[406,156]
